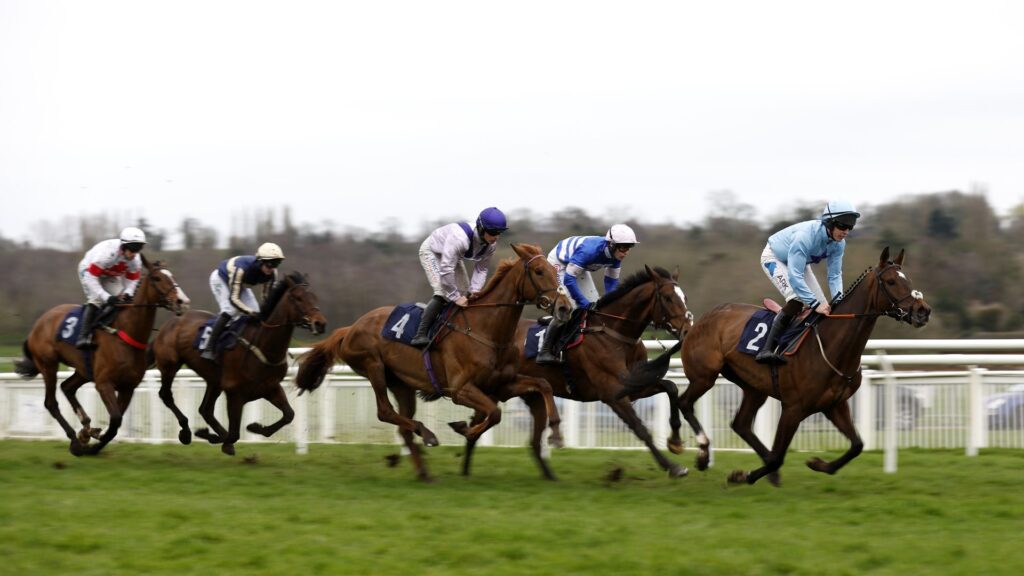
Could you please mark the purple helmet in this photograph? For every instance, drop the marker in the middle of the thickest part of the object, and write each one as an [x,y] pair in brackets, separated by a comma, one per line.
[492,219]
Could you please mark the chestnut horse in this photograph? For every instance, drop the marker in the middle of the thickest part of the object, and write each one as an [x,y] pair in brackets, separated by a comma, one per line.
[820,376]
[473,355]
[597,368]
[118,363]
[251,370]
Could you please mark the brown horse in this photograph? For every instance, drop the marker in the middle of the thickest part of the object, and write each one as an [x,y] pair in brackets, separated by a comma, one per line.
[118,363]
[598,366]
[474,356]
[820,377]
[251,370]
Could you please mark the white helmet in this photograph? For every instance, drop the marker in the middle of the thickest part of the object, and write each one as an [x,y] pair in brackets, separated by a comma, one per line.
[132,235]
[269,251]
[621,234]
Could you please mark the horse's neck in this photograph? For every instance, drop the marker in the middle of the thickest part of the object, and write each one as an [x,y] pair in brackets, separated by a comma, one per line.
[850,336]
[276,332]
[137,320]
[502,311]
[635,309]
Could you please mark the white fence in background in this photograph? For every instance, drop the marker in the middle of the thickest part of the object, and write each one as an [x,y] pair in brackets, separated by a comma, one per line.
[955,397]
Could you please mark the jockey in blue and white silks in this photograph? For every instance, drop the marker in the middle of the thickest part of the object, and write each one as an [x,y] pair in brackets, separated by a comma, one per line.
[575,258]
[442,255]
[787,260]
[232,282]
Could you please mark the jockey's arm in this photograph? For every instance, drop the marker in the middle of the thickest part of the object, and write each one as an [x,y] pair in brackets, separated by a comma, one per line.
[236,287]
[571,272]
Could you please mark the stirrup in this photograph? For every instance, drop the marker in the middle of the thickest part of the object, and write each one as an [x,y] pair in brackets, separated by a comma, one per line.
[549,358]
[770,358]
[420,342]
[209,354]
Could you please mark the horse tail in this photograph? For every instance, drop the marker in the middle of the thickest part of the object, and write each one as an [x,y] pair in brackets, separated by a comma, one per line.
[26,367]
[314,365]
[644,374]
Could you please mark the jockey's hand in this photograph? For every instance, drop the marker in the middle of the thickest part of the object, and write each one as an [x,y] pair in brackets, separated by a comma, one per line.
[823,309]
[461,301]
[113,300]
[126,297]
[591,306]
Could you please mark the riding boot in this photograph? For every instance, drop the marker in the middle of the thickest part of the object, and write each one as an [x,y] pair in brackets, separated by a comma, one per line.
[84,341]
[553,332]
[420,340]
[768,355]
[210,351]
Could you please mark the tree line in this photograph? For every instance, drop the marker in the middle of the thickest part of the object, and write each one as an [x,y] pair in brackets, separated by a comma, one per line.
[965,259]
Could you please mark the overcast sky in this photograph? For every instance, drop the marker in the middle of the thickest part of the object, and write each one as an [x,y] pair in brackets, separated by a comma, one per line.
[357,112]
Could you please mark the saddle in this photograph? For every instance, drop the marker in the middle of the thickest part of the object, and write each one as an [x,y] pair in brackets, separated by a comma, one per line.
[570,337]
[760,322]
[71,325]
[228,338]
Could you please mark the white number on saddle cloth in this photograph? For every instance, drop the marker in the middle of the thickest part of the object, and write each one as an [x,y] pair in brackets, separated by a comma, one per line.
[204,340]
[540,338]
[761,330]
[69,327]
[399,327]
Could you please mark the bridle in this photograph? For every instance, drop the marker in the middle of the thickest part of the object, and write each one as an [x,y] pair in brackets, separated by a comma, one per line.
[541,298]
[893,310]
[305,321]
[665,322]
[165,301]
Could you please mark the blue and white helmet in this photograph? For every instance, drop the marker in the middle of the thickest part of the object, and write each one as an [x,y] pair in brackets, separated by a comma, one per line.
[492,219]
[839,211]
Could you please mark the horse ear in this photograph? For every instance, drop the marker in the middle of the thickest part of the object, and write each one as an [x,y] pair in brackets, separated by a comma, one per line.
[675,274]
[651,273]
[523,250]
[899,259]
[145,263]
[884,257]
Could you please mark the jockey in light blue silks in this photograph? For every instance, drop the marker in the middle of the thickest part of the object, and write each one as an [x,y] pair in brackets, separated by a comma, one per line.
[576,258]
[442,255]
[232,282]
[787,260]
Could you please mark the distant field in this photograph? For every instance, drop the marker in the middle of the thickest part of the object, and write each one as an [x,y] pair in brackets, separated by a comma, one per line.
[140,509]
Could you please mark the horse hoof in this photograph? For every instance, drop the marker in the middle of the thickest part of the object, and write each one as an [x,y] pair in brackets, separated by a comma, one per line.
[185,436]
[676,471]
[774,479]
[556,441]
[738,477]
[95,432]
[817,464]
[459,426]
[228,449]
[76,448]
[703,460]
[676,447]
[255,428]
[83,436]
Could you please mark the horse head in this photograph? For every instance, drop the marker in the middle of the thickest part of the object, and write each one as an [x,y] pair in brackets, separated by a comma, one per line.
[161,289]
[898,298]
[293,302]
[669,311]
[541,286]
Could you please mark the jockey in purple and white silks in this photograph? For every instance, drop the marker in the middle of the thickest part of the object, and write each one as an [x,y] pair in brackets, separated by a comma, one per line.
[442,255]
[109,273]
[232,282]
[787,260]
[576,258]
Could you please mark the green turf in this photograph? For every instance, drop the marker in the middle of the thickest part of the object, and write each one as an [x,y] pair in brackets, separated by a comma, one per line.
[139,509]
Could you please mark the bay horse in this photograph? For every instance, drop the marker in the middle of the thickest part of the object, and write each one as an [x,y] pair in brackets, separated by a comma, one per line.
[610,365]
[820,376]
[473,354]
[253,369]
[118,363]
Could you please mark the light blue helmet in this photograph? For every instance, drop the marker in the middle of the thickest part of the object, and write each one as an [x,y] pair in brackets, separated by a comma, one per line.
[492,219]
[839,211]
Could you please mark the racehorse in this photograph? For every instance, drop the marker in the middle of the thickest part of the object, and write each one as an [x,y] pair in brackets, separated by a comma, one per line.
[820,376]
[118,363]
[473,354]
[251,370]
[599,368]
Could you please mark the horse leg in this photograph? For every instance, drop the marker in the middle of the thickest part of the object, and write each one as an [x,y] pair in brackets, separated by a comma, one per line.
[539,388]
[206,410]
[624,409]
[467,454]
[406,398]
[538,409]
[50,402]
[699,385]
[471,396]
[675,441]
[840,416]
[167,374]
[743,425]
[235,404]
[789,421]
[377,375]
[70,389]
[279,399]
[109,396]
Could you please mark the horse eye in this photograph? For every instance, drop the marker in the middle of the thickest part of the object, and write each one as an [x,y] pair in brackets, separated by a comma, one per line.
[538,272]
[890,282]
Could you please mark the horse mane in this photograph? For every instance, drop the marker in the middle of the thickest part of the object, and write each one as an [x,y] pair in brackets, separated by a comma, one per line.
[853,286]
[629,283]
[503,269]
[277,292]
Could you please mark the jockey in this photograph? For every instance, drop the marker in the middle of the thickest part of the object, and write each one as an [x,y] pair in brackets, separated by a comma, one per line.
[232,283]
[787,260]
[442,255]
[109,273]
[575,258]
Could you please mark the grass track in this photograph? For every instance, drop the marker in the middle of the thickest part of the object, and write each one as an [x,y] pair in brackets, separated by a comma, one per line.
[140,509]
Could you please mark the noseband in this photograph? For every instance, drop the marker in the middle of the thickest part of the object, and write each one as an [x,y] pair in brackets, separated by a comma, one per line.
[894,310]
[541,299]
